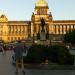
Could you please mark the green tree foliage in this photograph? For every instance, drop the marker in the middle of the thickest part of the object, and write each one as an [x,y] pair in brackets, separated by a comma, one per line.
[60,55]
[34,54]
[57,54]
[69,37]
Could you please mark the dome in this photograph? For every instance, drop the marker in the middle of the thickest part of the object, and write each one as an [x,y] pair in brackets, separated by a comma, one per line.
[3,16]
[41,3]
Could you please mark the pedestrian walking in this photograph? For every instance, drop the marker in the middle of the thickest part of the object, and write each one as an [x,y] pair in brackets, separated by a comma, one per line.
[18,49]
[2,49]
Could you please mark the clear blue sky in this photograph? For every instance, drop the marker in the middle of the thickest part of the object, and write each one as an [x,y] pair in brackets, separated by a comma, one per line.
[22,9]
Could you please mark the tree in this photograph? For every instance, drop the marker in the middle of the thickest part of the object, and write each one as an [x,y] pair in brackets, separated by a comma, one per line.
[34,54]
[56,53]
[60,54]
[69,37]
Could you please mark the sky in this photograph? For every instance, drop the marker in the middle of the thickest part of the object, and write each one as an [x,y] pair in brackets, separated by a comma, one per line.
[22,9]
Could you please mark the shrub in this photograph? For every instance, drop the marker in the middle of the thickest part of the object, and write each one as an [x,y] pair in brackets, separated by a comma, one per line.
[60,55]
[34,54]
[57,54]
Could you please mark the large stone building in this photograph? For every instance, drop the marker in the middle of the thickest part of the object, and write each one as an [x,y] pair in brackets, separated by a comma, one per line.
[20,30]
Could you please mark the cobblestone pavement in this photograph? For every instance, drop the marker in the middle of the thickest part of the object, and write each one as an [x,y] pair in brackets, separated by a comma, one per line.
[6,68]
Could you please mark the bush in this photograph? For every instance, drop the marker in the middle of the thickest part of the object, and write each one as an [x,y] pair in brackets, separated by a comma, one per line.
[34,54]
[57,54]
[60,55]
[69,37]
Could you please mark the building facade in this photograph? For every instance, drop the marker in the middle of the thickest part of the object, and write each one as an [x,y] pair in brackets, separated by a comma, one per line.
[21,30]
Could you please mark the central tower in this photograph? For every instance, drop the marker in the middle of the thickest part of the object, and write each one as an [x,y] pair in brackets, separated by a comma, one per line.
[41,11]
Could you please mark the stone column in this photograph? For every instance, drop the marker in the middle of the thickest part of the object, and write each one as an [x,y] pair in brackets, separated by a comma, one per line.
[55,28]
[32,29]
[59,30]
[71,27]
[67,28]
[64,29]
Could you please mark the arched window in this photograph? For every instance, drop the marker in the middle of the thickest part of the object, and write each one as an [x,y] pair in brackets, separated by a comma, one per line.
[38,12]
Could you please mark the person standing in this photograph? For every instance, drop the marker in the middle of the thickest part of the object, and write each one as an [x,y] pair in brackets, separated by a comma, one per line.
[18,49]
[2,49]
